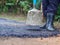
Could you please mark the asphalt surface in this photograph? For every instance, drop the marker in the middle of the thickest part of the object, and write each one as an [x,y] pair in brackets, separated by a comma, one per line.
[11,28]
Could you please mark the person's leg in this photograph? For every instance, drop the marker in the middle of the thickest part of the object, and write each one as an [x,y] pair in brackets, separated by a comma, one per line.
[44,8]
[51,10]
[49,22]
[52,7]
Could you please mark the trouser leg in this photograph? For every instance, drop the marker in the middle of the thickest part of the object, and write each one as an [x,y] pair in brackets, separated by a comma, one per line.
[52,6]
[51,10]
[44,7]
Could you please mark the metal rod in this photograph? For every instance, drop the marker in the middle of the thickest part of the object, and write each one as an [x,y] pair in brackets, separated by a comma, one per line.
[34,3]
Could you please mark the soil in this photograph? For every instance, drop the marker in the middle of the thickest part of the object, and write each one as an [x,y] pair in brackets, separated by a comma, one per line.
[30,41]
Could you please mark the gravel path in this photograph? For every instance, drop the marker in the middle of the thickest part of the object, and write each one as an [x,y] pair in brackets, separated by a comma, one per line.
[19,29]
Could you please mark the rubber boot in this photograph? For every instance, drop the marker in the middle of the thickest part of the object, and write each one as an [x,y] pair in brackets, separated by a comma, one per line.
[49,22]
[44,26]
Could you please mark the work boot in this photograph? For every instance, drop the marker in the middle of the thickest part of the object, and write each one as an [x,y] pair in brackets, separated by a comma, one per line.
[49,22]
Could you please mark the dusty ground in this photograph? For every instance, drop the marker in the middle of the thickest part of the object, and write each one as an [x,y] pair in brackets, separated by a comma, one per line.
[30,41]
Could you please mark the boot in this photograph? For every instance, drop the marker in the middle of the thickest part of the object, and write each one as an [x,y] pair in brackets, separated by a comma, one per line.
[44,20]
[49,22]
[43,27]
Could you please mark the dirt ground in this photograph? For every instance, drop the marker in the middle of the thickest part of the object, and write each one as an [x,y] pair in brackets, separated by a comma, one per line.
[30,41]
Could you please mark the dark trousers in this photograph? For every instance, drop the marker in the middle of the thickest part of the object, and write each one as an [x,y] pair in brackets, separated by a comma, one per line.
[49,6]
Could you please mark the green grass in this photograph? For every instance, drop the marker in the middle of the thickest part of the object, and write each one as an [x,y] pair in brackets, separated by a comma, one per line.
[13,17]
